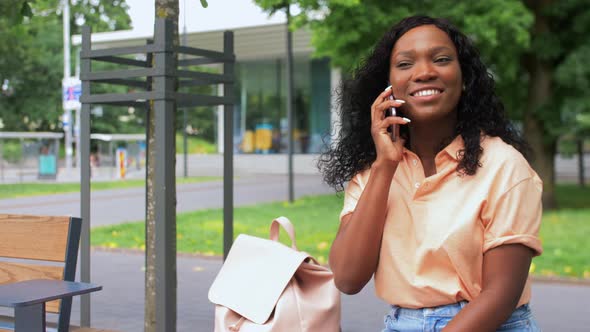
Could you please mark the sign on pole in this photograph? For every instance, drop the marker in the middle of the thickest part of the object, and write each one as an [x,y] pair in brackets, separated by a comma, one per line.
[71,92]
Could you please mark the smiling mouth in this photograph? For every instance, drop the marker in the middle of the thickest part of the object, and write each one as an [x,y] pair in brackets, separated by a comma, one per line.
[425,93]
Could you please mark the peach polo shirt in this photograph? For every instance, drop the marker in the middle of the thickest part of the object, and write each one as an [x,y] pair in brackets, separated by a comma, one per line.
[438,228]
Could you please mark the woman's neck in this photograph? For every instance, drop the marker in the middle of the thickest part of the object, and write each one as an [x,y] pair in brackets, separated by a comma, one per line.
[428,139]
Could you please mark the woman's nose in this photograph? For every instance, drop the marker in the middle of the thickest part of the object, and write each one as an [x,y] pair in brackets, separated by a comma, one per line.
[424,72]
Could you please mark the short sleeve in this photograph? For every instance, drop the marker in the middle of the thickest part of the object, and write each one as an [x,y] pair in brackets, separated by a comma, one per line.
[514,217]
[352,194]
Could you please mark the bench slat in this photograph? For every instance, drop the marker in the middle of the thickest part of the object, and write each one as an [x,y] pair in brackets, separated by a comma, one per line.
[33,237]
[13,272]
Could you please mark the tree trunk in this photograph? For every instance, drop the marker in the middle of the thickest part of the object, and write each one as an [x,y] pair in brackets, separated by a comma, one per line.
[150,235]
[544,149]
[168,9]
[544,145]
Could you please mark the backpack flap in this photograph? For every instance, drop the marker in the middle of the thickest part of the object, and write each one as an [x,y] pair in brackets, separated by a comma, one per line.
[254,276]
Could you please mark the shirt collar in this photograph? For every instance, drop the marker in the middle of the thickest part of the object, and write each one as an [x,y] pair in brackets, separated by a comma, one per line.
[452,149]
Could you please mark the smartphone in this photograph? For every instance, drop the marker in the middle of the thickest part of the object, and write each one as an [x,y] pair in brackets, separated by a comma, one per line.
[392,112]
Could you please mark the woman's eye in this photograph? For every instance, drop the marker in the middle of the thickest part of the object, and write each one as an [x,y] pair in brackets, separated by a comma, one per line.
[403,64]
[442,59]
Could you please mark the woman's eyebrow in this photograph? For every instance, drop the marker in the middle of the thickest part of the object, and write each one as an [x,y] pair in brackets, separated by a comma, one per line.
[440,49]
[432,50]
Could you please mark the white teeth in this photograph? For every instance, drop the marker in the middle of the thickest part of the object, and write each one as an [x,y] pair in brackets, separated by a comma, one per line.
[423,93]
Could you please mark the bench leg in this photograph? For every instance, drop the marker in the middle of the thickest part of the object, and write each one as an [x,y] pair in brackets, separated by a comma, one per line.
[29,318]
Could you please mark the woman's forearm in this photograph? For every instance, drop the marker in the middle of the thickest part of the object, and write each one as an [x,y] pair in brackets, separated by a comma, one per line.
[505,271]
[355,250]
[484,314]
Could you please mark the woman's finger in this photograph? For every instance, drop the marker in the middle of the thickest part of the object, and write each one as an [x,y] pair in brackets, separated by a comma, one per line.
[381,98]
[391,120]
[390,103]
[378,110]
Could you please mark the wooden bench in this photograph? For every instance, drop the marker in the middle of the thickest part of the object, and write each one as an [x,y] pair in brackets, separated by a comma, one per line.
[40,247]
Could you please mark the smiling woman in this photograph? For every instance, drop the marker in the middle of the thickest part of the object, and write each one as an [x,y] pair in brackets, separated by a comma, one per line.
[446,216]
[425,72]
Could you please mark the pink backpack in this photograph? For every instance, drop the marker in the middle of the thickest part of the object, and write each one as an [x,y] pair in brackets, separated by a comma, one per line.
[266,286]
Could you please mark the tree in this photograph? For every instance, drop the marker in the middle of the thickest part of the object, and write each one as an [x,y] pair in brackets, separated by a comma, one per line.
[167,9]
[31,56]
[572,76]
[559,41]
[524,43]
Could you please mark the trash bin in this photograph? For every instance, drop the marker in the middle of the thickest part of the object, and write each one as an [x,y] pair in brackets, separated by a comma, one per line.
[47,163]
[47,166]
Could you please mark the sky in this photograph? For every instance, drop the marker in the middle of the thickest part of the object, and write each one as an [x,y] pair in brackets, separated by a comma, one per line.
[219,15]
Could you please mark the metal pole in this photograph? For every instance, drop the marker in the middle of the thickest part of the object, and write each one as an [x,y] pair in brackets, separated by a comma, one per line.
[184,138]
[77,122]
[56,155]
[66,36]
[228,149]
[22,160]
[67,73]
[85,181]
[112,159]
[165,193]
[184,144]
[290,104]
[581,170]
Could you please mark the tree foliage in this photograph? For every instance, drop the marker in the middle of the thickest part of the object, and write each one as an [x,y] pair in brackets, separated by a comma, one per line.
[569,49]
[31,56]
[510,38]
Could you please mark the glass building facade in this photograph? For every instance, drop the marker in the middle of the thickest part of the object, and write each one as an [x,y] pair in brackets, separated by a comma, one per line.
[261,110]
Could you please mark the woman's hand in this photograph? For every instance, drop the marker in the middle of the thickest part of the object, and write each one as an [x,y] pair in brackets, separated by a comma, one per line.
[387,150]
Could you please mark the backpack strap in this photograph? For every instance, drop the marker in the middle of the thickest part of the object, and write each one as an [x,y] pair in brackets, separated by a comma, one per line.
[287,226]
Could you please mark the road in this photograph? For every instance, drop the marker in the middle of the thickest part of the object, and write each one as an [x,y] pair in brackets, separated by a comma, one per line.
[123,205]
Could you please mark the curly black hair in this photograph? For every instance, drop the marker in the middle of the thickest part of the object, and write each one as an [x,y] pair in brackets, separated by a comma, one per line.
[479,108]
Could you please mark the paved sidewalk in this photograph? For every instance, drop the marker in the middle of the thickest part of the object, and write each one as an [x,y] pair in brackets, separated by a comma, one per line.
[557,307]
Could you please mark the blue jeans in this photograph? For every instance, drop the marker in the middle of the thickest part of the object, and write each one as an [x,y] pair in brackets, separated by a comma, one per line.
[435,319]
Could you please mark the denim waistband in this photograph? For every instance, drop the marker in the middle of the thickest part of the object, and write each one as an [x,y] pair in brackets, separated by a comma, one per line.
[449,310]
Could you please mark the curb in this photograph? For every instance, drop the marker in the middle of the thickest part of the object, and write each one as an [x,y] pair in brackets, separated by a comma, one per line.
[130,251]
[560,280]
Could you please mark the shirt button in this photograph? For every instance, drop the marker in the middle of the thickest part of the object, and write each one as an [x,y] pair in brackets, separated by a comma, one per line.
[417,184]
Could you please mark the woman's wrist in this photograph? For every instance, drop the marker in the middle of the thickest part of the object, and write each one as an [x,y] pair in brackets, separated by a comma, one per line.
[384,166]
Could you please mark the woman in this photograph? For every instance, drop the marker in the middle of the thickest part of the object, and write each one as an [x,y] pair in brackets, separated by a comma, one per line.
[446,215]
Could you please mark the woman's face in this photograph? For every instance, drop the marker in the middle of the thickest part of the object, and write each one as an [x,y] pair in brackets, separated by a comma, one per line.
[425,72]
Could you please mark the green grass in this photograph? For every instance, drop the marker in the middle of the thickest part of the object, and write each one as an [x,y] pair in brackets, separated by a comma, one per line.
[565,235]
[316,220]
[564,232]
[37,189]
[194,145]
